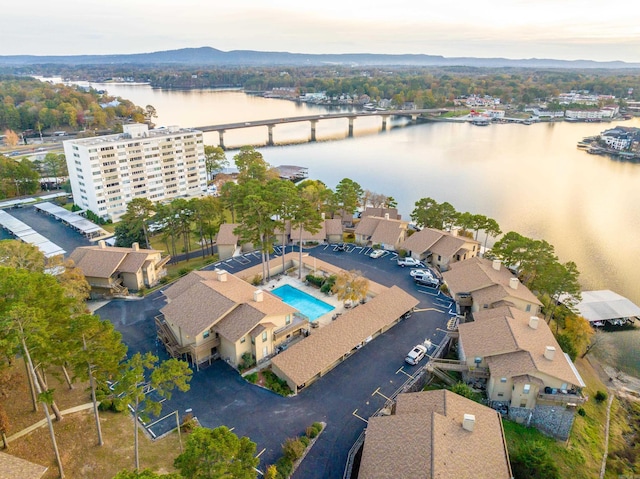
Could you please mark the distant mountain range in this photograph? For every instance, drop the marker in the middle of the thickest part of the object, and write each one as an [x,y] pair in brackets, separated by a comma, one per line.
[207,56]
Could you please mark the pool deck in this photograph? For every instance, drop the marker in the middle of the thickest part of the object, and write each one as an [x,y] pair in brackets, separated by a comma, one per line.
[311,291]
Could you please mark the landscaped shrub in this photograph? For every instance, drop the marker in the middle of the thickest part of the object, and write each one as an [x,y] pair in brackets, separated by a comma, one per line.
[314,280]
[582,412]
[327,286]
[402,253]
[305,441]
[293,449]
[256,280]
[311,432]
[184,271]
[188,423]
[601,396]
[317,426]
[248,361]
[276,384]
[252,378]
[285,467]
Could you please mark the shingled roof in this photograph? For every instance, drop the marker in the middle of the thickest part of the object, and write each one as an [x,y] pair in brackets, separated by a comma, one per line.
[437,242]
[226,234]
[103,262]
[485,283]
[425,439]
[12,467]
[381,230]
[206,298]
[315,354]
[512,347]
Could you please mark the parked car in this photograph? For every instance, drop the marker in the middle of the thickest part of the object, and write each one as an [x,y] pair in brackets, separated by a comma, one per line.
[424,280]
[416,355]
[411,262]
[420,272]
[376,253]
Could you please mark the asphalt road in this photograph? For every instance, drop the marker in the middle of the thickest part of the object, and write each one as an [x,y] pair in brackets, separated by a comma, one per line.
[343,398]
[64,236]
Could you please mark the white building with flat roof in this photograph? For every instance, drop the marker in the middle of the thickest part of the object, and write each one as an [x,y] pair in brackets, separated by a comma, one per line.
[106,172]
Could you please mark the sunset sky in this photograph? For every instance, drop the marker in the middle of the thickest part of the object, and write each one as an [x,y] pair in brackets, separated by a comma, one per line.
[559,29]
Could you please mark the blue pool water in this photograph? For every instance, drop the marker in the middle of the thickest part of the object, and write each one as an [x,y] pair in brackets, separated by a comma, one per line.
[311,307]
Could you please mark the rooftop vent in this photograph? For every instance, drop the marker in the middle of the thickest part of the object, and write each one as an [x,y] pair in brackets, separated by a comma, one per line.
[549,352]
[496,264]
[102,244]
[221,275]
[135,247]
[468,422]
[513,283]
[257,295]
[533,322]
[386,216]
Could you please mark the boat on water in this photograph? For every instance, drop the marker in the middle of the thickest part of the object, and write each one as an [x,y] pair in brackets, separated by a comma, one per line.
[481,121]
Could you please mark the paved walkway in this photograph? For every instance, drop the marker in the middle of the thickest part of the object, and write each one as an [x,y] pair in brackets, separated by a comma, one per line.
[43,422]
[603,467]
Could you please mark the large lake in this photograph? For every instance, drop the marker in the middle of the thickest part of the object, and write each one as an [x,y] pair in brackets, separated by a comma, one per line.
[531,179]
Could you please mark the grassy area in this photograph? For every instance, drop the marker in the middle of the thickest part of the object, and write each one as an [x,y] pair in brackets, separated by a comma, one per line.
[624,444]
[197,262]
[579,457]
[455,113]
[77,438]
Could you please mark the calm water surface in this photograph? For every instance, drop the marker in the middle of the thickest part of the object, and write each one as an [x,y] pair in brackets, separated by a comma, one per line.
[531,179]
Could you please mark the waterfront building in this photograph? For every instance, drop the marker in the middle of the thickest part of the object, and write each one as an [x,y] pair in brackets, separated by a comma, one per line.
[107,172]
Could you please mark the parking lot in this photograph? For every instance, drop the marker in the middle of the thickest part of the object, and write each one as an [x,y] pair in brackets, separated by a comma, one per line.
[344,398]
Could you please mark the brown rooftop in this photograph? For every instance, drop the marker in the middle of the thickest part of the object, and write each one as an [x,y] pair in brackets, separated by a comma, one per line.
[226,234]
[425,438]
[12,467]
[476,274]
[103,262]
[201,299]
[513,347]
[320,351]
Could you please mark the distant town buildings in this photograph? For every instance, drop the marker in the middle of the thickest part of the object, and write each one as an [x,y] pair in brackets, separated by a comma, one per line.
[107,172]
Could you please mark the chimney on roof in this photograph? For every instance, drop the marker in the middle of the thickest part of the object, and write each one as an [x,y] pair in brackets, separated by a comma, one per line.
[513,283]
[221,275]
[386,216]
[549,352]
[135,247]
[468,422]
[322,215]
[496,264]
[257,295]
[533,322]
[453,232]
[102,244]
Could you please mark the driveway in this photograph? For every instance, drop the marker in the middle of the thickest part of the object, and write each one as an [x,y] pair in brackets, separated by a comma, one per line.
[344,398]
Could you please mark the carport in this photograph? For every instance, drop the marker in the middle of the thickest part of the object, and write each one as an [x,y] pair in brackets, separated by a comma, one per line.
[316,355]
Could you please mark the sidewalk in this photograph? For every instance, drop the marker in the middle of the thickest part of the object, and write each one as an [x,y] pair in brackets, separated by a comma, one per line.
[43,422]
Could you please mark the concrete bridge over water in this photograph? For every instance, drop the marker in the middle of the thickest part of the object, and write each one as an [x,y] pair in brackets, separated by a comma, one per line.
[314,119]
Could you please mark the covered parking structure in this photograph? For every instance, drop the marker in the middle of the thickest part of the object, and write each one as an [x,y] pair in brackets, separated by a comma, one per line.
[316,355]
[25,233]
[76,221]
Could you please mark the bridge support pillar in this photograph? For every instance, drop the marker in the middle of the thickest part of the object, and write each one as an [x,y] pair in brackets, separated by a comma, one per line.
[414,118]
[221,135]
[384,122]
[270,139]
[313,129]
[350,127]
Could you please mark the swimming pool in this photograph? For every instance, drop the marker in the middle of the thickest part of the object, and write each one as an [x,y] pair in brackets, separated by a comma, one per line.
[311,307]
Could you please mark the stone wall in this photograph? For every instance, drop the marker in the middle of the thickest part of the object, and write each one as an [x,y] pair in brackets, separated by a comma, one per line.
[555,421]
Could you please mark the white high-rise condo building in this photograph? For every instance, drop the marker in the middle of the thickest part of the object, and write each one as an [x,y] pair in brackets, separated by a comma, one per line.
[106,172]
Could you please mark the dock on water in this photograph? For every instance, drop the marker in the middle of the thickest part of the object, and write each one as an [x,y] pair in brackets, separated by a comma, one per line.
[293,173]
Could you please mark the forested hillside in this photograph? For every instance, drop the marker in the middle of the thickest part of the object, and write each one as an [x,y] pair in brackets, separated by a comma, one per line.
[30,105]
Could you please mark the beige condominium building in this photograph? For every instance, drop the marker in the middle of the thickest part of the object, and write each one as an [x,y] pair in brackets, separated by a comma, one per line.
[107,172]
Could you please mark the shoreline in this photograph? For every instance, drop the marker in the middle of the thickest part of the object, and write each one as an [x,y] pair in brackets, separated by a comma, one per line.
[623,384]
